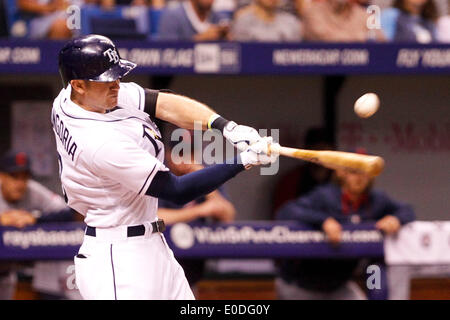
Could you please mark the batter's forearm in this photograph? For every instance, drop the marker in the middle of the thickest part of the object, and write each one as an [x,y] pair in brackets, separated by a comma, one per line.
[182,111]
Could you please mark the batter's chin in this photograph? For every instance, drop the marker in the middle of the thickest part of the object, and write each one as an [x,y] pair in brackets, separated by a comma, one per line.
[112,103]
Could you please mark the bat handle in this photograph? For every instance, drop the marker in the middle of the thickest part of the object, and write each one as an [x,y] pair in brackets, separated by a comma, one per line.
[273,148]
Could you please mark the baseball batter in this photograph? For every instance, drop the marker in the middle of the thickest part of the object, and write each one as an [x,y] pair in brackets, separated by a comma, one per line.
[112,172]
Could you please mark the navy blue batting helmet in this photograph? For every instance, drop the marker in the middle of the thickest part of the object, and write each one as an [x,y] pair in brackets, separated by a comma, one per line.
[92,57]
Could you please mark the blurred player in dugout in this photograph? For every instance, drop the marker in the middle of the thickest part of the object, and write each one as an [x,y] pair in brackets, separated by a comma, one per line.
[24,202]
[348,199]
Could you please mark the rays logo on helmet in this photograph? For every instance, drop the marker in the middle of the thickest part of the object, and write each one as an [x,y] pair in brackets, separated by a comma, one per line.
[91,57]
[112,55]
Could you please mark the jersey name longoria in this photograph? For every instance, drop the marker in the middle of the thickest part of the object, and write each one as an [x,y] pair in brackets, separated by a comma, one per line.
[70,146]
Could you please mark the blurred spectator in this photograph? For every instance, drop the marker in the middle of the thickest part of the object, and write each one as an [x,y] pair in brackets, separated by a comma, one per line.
[119,19]
[192,20]
[225,5]
[327,207]
[263,21]
[213,207]
[47,18]
[156,4]
[106,4]
[336,21]
[443,27]
[284,5]
[24,202]
[410,21]
[306,176]
[300,5]
[363,3]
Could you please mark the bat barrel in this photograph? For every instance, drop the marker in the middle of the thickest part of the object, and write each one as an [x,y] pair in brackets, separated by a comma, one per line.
[375,166]
[371,165]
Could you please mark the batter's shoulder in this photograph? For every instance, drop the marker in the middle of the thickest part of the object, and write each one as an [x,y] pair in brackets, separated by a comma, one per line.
[131,96]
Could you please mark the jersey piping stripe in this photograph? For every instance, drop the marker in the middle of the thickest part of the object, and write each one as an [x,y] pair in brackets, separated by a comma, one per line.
[147,179]
[140,100]
[139,90]
[114,275]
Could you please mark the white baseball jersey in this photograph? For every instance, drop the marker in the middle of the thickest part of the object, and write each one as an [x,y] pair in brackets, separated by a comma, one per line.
[107,161]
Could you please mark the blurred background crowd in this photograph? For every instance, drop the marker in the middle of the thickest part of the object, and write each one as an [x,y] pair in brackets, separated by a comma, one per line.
[421,21]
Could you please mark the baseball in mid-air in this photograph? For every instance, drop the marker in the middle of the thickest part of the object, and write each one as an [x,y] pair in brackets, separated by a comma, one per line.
[367,105]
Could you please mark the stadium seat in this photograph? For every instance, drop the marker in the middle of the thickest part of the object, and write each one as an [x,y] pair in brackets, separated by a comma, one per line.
[115,28]
[389,18]
[154,15]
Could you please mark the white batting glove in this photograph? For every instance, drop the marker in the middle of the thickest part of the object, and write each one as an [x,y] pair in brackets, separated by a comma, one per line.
[257,153]
[240,136]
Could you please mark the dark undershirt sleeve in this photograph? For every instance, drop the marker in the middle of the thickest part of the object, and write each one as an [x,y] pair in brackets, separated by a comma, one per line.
[181,190]
[151,97]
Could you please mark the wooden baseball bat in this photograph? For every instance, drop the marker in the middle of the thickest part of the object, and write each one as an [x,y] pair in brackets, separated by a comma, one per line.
[371,165]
